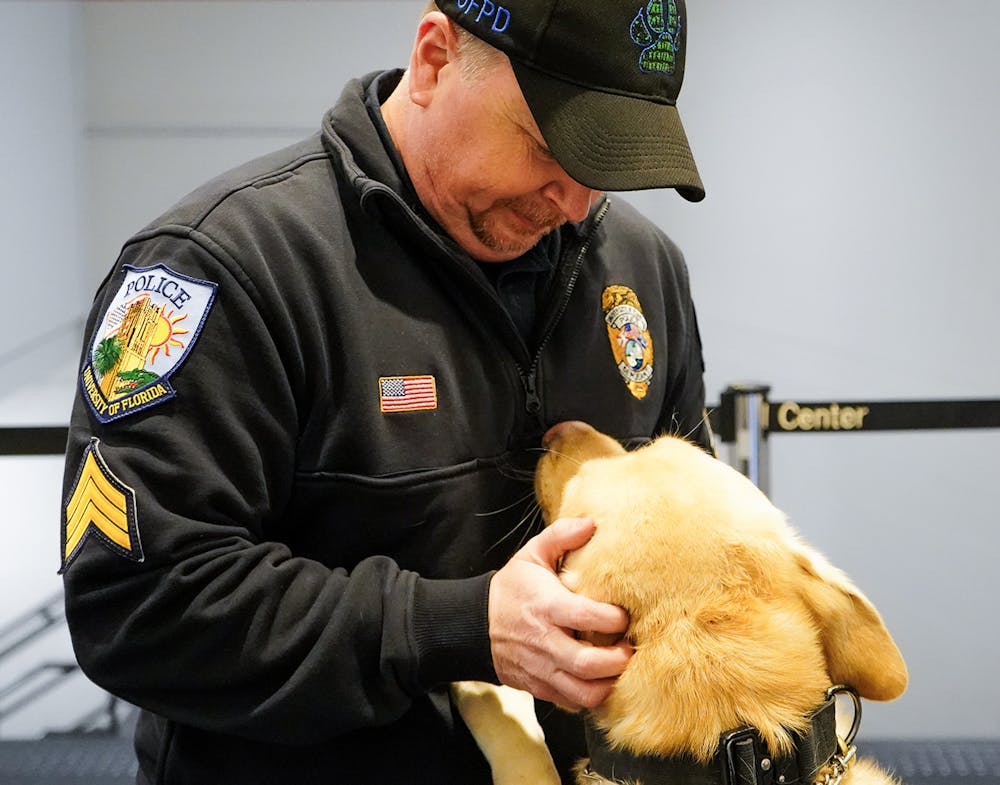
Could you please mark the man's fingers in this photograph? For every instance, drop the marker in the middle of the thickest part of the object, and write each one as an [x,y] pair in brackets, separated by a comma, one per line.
[572,693]
[602,662]
[576,612]
[583,660]
[555,541]
[533,616]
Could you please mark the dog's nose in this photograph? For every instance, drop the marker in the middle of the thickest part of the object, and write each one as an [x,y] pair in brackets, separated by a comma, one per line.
[563,430]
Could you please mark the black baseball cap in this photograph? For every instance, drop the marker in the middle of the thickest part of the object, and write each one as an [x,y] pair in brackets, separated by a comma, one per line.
[601,78]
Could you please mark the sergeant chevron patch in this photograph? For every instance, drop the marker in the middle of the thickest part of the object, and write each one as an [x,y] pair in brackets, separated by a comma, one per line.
[103,505]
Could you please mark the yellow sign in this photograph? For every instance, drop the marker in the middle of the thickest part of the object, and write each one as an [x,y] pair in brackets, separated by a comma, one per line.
[792,417]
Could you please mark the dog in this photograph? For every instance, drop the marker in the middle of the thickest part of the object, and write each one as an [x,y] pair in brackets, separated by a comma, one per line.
[742,632]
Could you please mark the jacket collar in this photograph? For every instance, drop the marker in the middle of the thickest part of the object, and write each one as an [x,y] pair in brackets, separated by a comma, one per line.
[351,137]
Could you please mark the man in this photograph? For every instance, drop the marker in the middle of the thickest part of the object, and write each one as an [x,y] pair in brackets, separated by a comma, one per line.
[298,474]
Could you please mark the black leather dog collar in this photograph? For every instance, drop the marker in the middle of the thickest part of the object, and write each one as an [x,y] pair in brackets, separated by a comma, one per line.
[742,758]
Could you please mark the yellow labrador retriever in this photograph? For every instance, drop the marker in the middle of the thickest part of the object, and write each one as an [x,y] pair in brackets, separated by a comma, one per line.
[740,630]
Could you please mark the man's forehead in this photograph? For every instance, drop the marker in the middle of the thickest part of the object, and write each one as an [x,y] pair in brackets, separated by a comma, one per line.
[507,97]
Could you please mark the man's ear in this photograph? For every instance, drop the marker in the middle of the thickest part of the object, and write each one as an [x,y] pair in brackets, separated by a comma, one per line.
[859,650]
[434,48]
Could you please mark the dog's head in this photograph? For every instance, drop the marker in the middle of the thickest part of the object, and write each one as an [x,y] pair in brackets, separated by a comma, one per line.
[735,620]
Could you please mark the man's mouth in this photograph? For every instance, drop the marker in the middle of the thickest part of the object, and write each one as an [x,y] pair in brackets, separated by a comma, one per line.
[535,221]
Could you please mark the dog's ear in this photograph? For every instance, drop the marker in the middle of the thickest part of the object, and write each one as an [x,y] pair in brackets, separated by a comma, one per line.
[859,650]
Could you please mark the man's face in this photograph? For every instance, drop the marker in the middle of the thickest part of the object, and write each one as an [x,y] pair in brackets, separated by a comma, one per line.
[489,179]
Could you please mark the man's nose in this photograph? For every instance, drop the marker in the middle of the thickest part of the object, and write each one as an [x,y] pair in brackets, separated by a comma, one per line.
[571,198]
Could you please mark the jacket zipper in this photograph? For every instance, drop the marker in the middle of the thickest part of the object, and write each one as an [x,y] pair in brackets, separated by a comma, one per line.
[533,398]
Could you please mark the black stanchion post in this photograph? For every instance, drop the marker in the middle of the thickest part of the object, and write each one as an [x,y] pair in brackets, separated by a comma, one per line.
[743,431]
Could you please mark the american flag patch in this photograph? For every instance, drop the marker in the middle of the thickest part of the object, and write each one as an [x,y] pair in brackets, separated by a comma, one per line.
[406,393]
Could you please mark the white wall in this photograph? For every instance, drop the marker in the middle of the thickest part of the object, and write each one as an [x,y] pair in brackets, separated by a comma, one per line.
[844,250]
[41,215]
[217,84]
[45,293]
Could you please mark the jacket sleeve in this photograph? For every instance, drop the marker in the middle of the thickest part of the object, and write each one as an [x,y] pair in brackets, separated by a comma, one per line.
[684,411]
[210,619]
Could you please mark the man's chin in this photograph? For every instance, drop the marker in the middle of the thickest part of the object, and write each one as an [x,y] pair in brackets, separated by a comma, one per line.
[503,246]
[505,253]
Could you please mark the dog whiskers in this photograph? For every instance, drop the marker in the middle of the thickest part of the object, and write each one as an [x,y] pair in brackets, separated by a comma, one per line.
[556,452]
[705,420]
[674,428]
[526,525]
[533,518]
[516,473]
[513,504]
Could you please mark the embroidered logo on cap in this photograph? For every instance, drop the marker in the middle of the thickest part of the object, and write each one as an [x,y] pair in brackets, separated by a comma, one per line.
[657,28]
[631,343]
[145,334]
[495,15]
[407,393]
[102,505]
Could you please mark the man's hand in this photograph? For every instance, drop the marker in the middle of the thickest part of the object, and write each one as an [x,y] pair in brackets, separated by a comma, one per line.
[533,616]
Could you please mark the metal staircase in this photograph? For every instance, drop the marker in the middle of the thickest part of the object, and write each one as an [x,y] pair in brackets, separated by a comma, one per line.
[41,678]
[95,750]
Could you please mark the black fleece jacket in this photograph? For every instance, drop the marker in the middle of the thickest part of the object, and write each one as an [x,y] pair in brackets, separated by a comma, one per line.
[307,572]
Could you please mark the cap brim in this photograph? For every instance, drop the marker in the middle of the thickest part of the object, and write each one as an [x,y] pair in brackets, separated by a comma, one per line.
[611,142]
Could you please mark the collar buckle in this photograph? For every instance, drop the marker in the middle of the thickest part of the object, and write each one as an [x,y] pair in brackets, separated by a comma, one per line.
[745,761]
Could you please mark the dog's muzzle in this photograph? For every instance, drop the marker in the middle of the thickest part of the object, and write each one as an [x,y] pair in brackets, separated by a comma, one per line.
[742,758]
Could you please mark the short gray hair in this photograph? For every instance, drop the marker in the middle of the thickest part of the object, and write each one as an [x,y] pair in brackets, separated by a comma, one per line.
[476,57]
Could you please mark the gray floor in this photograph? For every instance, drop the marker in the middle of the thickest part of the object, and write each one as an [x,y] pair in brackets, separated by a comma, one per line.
[104,760]
[68,760]
[953,762]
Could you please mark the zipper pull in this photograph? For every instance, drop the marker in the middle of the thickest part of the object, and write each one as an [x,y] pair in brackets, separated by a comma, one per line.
[532,403]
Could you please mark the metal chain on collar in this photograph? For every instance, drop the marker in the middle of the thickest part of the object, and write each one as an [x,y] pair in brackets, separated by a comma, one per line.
[839,765]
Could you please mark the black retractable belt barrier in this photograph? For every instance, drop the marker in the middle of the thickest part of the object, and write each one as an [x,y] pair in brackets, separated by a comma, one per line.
[33,441]
[745,418]
[744,410]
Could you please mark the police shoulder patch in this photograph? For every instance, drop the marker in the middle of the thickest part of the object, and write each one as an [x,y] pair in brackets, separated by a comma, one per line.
[144,335]
[102,505]
[631,343]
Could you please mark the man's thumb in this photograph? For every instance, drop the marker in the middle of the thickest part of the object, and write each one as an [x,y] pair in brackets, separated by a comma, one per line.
[562,536]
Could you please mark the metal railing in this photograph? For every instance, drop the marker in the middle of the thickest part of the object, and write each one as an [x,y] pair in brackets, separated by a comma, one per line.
[42,678]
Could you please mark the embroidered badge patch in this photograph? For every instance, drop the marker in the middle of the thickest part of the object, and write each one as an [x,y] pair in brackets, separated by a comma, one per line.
[631,343]
[406,393]
[657,28]
[102,505]
[145,334]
